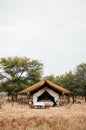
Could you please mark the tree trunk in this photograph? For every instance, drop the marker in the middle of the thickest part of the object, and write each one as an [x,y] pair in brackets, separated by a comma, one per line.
[85,98]
[85,92]
[68,99]
[12,98]
[73,97]
[16,97]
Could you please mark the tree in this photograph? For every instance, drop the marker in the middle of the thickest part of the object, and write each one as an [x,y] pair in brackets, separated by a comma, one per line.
[81,78]
[50,77]
[75,81]
[66,80]
[16,73]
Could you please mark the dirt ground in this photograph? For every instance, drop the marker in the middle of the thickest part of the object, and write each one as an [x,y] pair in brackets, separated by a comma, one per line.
[20,117]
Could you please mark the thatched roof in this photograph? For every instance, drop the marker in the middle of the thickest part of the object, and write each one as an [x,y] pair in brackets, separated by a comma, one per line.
[40,84]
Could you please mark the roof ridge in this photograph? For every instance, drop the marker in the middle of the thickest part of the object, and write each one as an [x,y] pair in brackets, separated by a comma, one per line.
[41,83]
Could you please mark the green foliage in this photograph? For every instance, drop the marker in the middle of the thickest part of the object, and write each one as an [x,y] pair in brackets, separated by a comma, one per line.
[18,72]
[81,78]
[50,77]
[73,81]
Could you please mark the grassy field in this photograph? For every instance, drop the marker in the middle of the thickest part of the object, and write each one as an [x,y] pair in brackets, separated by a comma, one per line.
[16,117]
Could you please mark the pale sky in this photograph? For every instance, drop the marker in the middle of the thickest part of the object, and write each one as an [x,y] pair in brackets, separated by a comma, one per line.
[52,31]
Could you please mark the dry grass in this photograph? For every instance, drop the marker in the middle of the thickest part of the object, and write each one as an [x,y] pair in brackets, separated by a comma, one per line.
[16,117]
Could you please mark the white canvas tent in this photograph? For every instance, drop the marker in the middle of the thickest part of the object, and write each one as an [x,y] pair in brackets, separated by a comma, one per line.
[45,89]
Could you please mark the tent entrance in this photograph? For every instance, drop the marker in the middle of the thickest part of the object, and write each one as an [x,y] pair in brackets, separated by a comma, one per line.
[46,97]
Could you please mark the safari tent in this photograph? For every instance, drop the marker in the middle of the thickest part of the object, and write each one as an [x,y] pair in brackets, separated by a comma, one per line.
[45,91]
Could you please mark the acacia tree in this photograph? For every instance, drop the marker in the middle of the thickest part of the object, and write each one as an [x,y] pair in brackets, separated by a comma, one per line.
[16,73]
